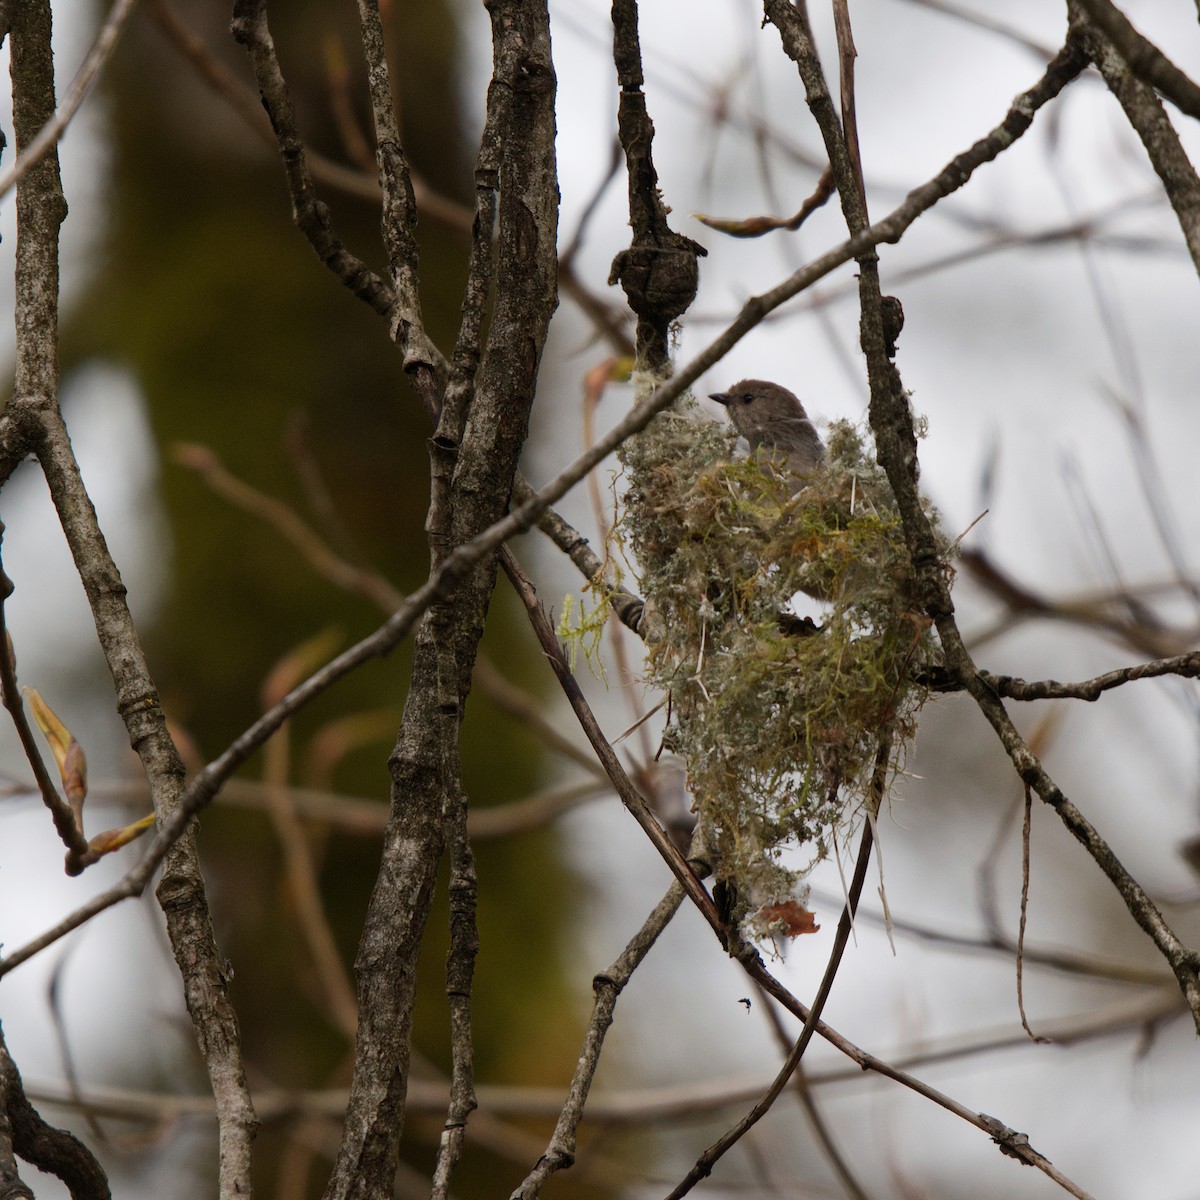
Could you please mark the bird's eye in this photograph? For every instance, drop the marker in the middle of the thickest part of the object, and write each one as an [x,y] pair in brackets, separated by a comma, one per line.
[746,397]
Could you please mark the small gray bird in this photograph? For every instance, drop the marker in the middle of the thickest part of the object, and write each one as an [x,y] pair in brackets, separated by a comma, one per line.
[766,414]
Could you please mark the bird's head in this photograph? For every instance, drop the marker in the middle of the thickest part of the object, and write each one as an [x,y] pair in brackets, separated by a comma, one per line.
[767,414]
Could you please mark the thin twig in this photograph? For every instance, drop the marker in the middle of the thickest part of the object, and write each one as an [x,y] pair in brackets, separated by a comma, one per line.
[359,817]
[65,824]
[847,53]
[607,986]
[1093,610]
[70,1067]
[103,46]
[633,1107]
[284,519]
[1068,962]
[985,20]
[1026,828]
[1183,666]
[245,102]
[752,227]
[250,28]
[372,586]
[301,879]
[703,1166]
[575,243]
[399,214]
[808,1102]
[624,786]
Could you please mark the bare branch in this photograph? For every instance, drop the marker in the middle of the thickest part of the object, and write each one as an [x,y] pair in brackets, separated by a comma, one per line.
[399,216]
[301,875]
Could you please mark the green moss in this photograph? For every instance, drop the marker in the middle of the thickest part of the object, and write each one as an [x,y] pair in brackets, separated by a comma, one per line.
[779,725]
[581,627]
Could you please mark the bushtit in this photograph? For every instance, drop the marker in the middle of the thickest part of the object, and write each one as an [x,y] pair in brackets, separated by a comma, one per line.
[766,414]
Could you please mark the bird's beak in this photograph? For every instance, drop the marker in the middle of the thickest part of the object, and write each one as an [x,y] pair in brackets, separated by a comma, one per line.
[720,398]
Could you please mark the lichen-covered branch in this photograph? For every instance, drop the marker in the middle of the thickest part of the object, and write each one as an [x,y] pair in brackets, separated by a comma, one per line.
[1184,666]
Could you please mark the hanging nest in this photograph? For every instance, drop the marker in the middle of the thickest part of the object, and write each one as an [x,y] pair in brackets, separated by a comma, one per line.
[779,721]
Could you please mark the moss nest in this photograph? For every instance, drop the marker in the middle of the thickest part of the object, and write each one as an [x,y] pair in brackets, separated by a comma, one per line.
[779,721]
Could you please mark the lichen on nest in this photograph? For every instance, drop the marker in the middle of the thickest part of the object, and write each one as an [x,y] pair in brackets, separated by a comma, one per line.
[779,724]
